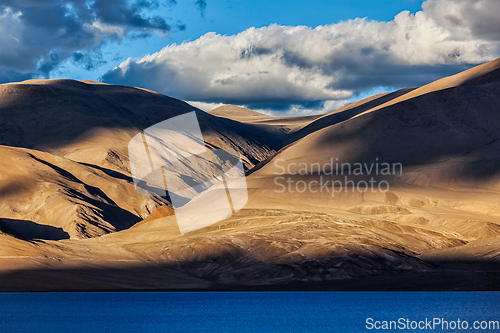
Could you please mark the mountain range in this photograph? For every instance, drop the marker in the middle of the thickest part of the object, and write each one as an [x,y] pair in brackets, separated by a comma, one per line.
[71,219]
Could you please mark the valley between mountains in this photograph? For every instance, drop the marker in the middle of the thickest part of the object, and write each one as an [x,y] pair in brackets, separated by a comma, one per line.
[71,219]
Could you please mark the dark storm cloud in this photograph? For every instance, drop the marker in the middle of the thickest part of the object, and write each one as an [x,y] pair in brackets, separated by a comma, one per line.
[37,35]
[8,75]
[201,5]
[309,105]
[396,77]
[282,67]
[88,61]
[480,17]
[118,13]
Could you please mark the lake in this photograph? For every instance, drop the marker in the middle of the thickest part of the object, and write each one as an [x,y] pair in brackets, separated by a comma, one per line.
[247,311]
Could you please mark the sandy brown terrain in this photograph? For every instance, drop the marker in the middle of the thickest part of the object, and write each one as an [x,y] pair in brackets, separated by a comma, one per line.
[72,220]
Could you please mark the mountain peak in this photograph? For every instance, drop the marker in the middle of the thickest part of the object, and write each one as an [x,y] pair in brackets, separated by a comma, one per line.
[237,113]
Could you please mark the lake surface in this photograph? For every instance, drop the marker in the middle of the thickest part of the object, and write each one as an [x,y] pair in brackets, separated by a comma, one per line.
[242,311]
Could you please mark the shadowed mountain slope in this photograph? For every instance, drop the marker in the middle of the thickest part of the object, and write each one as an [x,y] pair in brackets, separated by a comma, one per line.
[456,129]
[70,118]
[436,227]
[64,150]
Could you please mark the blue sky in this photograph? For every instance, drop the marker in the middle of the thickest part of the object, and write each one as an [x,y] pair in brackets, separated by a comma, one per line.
[229,17]
[280,57]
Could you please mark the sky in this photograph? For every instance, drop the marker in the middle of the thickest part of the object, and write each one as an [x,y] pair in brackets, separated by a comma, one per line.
[279,57]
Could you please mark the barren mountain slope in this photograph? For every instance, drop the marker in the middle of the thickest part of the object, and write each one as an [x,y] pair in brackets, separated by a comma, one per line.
[436,228]
[81,186]
[482,74]
[51,197]
[94,122]
[447,142]
[239,113]
[454,129]
[280,127]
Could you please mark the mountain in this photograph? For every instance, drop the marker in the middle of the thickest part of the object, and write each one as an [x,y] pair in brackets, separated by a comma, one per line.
[94,122]
[72,220]
[280,127]
[239,113]
[441,124]
[65,162]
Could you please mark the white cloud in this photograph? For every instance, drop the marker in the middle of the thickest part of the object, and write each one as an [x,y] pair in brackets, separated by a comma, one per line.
[276,65]
[283,64]
[479,18]
[273,65]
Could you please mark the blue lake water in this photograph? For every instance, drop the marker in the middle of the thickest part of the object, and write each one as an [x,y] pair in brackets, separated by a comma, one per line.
[243,311]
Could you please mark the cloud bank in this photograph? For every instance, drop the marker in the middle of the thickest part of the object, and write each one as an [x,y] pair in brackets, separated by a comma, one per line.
[37,35]
[299,68]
